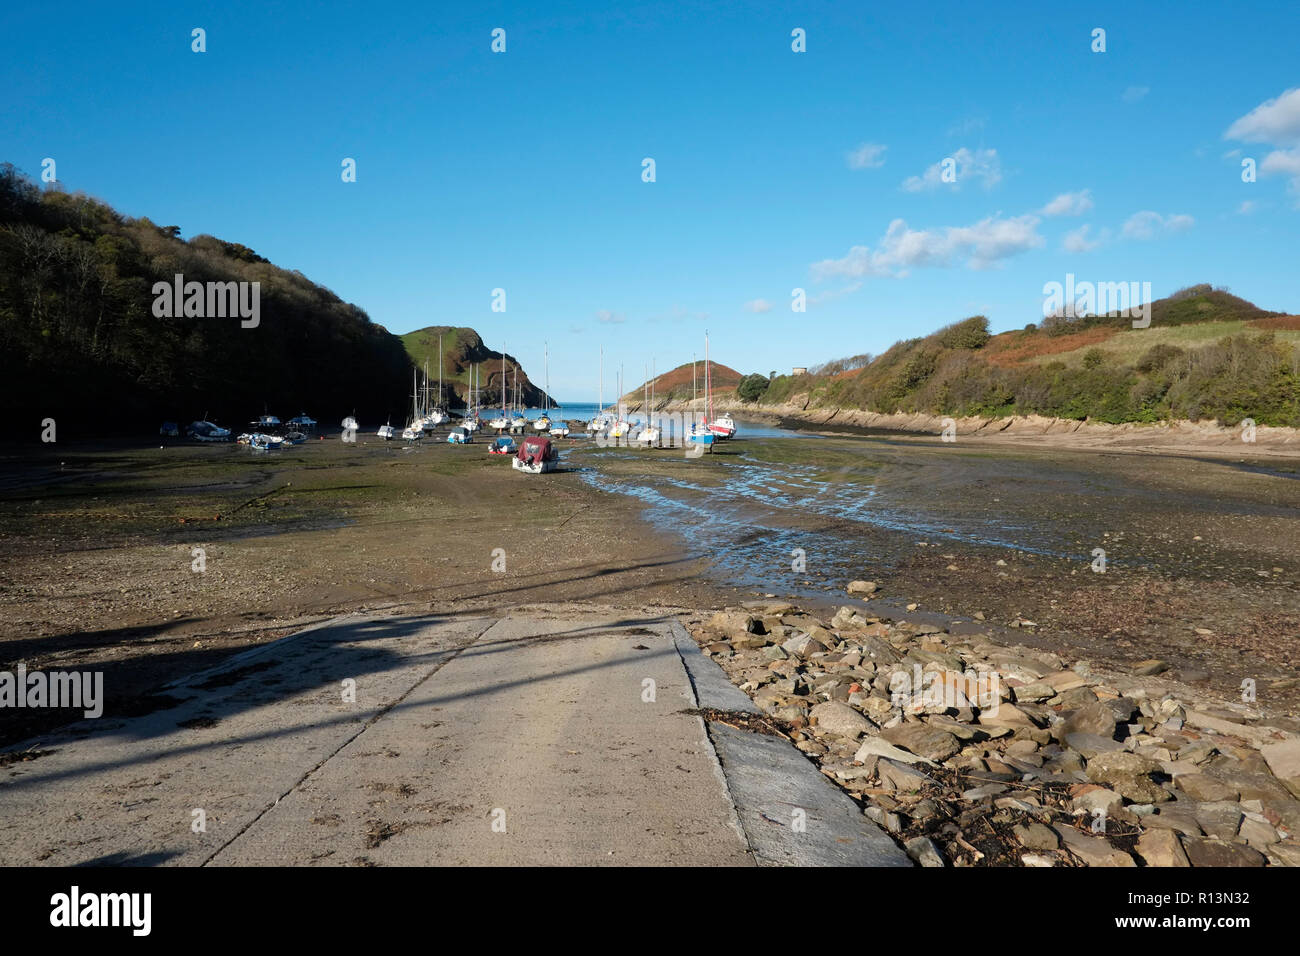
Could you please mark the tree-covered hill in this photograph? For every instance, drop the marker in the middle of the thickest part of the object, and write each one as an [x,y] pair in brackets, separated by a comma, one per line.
[79,341]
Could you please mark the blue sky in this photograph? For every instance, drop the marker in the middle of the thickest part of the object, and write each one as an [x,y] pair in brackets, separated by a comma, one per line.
[774,169]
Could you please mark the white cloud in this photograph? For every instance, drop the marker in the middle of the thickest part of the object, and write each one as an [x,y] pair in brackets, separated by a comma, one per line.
[867,156]
[758,305]
[1069,204]
[830,295]
[1273,121]
[1276,122]
[981,164]
[1284,161]
[1247,207]
[1077,240]
[605,315]
[1134,93]
[1147,224]
[980,246]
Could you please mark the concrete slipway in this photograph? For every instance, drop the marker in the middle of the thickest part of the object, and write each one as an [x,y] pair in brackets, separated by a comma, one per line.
[535,738]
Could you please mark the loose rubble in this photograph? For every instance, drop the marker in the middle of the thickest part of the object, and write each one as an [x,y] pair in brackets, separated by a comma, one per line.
[971,752]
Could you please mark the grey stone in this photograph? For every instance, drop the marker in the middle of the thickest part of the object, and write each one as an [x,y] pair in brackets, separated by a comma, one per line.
[923,740]
[1161,848]
[1036,836]
[834,717]
[1202,851]
[923,851]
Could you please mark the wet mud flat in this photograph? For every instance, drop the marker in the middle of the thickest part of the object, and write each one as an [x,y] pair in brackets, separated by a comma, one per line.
[99,572]
[1201,554]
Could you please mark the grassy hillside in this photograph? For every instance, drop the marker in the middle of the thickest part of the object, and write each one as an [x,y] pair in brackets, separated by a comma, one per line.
[1206,355]
[79,341]
[462,349]
[675,385]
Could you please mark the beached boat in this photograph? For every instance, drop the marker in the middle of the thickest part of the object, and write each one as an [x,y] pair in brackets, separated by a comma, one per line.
[699,433]
[459,436]
[503,445]
[169,430]
[559,430]
[536,456]
[386,432]
[723,427]
[267,423]
[260,441]
[207,431]
[649,435]
[302,423]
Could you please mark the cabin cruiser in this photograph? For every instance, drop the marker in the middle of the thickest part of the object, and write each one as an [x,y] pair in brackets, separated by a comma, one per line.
[724,427]
[459,436]
[503,445]
[206,431]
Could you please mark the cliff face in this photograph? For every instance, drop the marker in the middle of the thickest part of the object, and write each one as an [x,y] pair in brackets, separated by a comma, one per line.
[462,350]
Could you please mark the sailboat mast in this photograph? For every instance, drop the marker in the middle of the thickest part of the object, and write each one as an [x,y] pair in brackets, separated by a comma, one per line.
[440,370]
[708,381]
[601,410]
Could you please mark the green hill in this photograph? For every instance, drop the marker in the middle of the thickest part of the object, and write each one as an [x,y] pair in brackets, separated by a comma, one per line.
[80,342]
[680,383]
[462,350]
[1206,355]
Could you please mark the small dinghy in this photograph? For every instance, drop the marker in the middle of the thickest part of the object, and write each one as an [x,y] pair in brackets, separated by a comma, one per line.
[505,445]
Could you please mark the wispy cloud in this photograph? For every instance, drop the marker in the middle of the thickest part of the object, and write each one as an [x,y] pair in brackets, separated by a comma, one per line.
[1275,122]
[758,305]
[1134,93]
[867,156]
[605,315]
[1078,240]
[982,165]
[967,126]
[978,246]
[1069,204]
[1148,225]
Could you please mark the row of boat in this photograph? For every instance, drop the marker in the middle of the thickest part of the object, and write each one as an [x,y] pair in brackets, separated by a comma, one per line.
[269,433]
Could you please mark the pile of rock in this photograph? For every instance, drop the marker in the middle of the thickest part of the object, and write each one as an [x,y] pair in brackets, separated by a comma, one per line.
[971,751]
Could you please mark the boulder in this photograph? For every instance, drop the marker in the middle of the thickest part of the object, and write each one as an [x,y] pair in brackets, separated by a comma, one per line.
[923,740]
[834,717]
[1094,850]
[1202,851]
[1161,848]
[1128,774]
